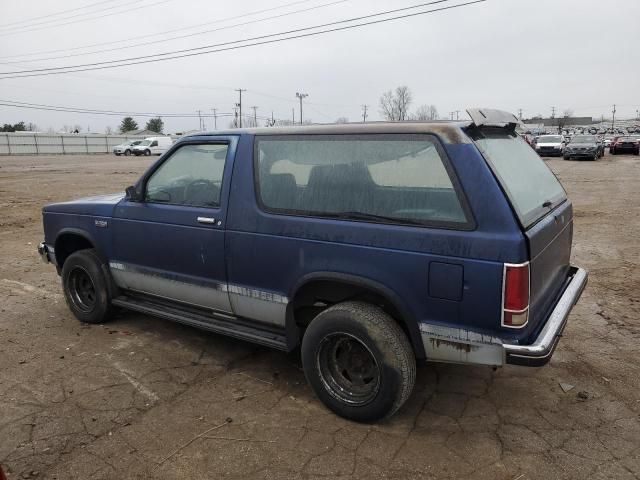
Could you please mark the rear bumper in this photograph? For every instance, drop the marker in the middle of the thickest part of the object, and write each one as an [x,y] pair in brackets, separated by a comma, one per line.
[459,345]
[541,350]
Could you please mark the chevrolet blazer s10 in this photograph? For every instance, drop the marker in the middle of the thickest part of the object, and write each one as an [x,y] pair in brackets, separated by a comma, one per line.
[368,246]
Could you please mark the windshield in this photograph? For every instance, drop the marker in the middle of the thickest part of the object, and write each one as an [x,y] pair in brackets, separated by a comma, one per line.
[144,143]
[584,139]
[530,185]
[550,139]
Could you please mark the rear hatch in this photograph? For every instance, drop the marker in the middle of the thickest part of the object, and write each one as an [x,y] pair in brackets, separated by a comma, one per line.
[543,211]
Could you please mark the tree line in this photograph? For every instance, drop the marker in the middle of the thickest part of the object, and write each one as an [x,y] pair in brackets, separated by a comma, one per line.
[154,125]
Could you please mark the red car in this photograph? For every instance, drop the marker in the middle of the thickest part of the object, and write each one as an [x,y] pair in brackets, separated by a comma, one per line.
[625,144]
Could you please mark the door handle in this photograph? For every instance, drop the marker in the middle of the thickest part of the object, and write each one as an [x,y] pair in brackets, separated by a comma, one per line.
[209,220]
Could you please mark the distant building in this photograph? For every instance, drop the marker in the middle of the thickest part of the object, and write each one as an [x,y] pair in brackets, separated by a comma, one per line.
[560,121]
[145,133]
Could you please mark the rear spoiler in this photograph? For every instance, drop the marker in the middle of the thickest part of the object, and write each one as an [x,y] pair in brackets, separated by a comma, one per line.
[488,117]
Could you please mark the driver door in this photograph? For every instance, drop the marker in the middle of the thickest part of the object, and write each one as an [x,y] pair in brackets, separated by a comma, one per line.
[171,243]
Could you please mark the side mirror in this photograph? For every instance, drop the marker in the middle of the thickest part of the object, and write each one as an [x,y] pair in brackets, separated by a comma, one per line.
[132,194]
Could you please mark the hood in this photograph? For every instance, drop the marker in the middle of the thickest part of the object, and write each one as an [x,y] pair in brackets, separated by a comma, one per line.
[582,145]
[100,205]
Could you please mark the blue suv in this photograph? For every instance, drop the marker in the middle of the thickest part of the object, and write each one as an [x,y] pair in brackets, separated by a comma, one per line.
[368,246]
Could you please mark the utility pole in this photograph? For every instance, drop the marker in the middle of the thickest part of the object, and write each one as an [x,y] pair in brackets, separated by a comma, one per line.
[293,116]
[255,115]
[613,121]
[520,114]
[301,96]
[239,104]
[364,113]
[451,115]
[553,112]
[199,119]
[235,116]
[273,121]
[457,114]
[215,118]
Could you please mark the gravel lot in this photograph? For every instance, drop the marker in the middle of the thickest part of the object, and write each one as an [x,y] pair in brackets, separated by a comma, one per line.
[145,398]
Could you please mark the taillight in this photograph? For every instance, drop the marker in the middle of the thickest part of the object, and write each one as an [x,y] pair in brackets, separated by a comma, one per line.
[515,294]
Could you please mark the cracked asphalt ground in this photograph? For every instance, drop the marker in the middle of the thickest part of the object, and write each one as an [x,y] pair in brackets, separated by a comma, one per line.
[144,398]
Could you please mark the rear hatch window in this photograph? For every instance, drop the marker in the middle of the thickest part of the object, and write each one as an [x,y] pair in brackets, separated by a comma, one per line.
[530,185]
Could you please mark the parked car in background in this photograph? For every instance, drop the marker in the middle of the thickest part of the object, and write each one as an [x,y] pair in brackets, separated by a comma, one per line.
[608,141]
[369,246]
[152,146]
[584,146]
[550,145]
[126,147]
[626,144]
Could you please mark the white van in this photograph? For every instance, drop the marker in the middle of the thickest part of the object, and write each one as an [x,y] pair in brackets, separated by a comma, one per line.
[152,146]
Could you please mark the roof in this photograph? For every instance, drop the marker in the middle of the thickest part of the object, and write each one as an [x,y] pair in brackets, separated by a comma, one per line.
[449,131]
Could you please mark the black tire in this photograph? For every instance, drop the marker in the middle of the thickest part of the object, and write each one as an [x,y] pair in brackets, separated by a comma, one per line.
[117,154]
[85,287]
[361,333]
[566,157]
[127,152]
[595,156]
[147,153]
[612,151]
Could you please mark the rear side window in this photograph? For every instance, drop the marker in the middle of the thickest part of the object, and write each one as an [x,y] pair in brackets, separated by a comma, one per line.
[531,186]
[396,179]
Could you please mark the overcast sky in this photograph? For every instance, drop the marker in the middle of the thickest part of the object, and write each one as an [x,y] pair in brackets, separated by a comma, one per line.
[510,54]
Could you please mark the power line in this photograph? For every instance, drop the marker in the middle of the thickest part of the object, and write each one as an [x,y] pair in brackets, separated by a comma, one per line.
[149,59]
[27,20]
[226,27]
[44,27]
[14,103]
[54,20]
[255,12]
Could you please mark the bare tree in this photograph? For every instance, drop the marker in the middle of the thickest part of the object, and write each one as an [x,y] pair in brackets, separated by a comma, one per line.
[425,112]
[342,120]
[108,131]
[562,121]
[394,105]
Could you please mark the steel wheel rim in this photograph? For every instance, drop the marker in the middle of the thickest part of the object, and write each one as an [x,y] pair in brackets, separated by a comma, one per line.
[348,369]
[82,290]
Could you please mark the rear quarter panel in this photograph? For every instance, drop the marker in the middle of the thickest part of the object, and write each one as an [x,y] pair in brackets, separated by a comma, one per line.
[273,252]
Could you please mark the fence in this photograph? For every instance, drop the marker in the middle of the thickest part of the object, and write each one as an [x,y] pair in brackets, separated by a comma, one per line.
[26,143]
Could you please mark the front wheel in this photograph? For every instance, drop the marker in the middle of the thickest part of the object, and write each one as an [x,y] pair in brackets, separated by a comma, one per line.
[127,152]
[85,287]
[358,361]
[147,153]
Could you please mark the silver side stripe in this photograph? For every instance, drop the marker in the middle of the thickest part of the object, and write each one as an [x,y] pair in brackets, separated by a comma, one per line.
[253,293]
[257,294]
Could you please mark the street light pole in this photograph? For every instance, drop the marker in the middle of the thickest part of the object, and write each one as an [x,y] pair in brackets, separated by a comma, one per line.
[301,96]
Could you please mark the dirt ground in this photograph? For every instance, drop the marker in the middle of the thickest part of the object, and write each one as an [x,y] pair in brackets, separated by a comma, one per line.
[145,398]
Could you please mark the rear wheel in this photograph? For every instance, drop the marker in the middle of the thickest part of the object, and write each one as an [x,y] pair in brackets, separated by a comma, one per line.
[85,287]
[147,152]
[127,152]
[358,361]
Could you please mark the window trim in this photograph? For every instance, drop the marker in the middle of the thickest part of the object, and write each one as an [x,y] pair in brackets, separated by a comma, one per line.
[154,168]
[469,225]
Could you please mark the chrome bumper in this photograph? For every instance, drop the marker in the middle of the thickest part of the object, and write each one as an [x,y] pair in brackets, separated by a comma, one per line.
[540,351]
[47,254]
[459,345]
